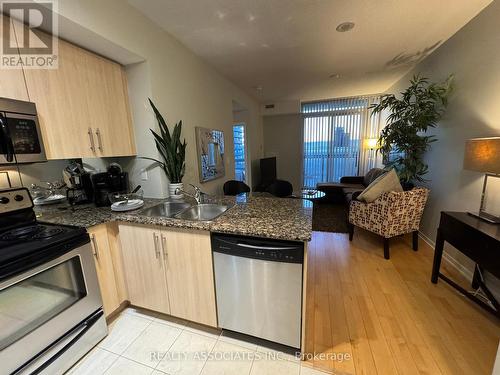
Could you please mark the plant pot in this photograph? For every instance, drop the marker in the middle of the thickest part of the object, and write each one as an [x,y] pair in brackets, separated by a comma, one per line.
[172,188]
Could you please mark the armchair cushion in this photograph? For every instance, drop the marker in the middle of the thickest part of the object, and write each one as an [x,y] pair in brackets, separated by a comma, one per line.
[384,183]
[391,214]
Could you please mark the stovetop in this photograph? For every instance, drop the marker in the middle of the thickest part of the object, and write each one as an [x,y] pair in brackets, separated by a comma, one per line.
[31,233]
[33,237]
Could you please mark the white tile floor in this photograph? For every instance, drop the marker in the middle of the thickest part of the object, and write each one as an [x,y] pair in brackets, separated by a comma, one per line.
[140,343]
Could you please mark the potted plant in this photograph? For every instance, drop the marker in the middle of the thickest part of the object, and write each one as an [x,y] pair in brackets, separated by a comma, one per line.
[172,150]
[403,142]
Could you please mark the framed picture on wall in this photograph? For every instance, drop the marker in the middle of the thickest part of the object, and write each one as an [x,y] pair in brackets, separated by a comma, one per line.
[210,148]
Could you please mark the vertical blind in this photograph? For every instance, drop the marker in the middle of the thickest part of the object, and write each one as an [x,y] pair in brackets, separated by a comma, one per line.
[333,137]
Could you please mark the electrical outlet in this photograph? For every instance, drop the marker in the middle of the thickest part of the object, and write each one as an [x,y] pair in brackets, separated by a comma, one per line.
[144,175]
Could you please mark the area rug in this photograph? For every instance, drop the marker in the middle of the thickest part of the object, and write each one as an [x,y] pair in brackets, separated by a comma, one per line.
[329,217]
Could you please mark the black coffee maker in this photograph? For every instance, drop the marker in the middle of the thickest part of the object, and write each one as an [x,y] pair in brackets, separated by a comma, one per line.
[111,181]
[78,184]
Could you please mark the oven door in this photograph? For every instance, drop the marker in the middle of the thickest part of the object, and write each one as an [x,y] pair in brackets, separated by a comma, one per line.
[25,137]
[40,306]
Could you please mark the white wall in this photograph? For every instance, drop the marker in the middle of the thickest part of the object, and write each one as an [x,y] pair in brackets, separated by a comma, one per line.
[473,55]
[283,139]
[182,86]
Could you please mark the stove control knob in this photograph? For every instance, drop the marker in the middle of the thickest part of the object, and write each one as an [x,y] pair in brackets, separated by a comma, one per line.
[4,200]
[18,198]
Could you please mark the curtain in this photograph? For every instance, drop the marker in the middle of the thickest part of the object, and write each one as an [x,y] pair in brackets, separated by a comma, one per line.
[335,134]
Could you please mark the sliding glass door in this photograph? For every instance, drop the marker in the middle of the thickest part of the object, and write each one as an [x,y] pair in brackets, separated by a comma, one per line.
[333,133]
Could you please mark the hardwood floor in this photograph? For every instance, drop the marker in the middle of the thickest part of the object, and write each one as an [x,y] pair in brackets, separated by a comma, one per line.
[377,316]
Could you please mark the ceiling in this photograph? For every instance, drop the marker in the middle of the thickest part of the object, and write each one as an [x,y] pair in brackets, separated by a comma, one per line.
[289,49]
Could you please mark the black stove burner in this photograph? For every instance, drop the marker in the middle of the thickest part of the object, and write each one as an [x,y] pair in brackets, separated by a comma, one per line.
[32,232]
[20,233]
[47,233]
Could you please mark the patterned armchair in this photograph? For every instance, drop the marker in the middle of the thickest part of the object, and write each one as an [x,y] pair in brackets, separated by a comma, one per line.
[392,214]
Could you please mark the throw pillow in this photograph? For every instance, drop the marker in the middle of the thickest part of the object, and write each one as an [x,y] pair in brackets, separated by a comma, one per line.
[382,184]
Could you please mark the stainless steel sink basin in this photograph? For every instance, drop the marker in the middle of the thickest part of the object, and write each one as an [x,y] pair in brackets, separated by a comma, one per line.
[166,209]
[202,212]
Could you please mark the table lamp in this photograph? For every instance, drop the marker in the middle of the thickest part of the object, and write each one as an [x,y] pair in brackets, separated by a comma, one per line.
[371,143]
[483,155]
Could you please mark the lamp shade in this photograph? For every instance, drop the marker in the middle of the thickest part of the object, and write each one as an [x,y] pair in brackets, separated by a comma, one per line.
[371,143]
[483,155]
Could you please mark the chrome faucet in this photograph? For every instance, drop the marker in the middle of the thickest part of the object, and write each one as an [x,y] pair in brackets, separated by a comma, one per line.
[197,196]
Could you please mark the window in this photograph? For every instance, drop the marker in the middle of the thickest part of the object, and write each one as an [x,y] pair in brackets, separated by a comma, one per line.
[334,131]
[239,152]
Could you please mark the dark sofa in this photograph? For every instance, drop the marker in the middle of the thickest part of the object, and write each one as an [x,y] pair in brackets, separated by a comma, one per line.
[349,187]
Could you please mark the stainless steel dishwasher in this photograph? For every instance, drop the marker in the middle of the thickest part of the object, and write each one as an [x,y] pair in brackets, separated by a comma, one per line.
[259,287]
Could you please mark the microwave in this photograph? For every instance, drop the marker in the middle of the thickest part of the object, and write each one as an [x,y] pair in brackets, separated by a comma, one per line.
[20,137]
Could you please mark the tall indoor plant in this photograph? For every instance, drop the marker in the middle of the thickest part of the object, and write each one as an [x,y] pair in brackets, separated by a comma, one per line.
[172,150]
[403,142]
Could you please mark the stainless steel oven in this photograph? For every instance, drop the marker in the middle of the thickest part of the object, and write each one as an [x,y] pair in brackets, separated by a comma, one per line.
[20,136]
[50,315]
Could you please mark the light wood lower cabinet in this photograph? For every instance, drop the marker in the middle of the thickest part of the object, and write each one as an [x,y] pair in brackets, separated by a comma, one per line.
[170,271]
[105,268]
[144,266]
[190,277]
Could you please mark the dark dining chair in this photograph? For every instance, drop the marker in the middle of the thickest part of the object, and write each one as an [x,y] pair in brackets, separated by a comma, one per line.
[233,187]
[280,188]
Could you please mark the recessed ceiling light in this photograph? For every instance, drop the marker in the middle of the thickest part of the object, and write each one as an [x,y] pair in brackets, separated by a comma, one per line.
[345,26]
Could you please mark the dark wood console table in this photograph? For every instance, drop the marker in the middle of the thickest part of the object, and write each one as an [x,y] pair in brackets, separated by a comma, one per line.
[479,241]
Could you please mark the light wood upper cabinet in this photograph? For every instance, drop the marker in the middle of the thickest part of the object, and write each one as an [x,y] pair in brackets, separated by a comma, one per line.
[108,99]
[12,83]
[62,106]
[82,106]
[105,269]
[144,267]
[190,276]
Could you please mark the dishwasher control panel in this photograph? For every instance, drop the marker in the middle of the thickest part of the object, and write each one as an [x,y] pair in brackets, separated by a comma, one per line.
[258,248]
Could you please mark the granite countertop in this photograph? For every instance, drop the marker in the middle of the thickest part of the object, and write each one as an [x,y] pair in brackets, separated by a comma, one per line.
[270,217]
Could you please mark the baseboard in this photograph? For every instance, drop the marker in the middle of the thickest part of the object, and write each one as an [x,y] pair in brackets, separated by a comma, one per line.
[464,271]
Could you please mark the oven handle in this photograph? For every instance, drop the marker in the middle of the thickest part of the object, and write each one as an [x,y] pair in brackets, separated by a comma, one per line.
[6,140]
[63,345]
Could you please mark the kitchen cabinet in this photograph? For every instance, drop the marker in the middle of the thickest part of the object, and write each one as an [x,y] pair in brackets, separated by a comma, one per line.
[82,106]
[12,83]
[190,276]
[105,268]
[108,100]
[170,266]
[117,256]
[144,266]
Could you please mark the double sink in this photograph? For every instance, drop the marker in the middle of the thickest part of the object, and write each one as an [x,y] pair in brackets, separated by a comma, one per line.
[186,211]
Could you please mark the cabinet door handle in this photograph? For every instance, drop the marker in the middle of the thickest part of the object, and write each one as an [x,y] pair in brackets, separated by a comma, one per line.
[164,246]
[99,141]
[95,248]
[157,250]
[91,137]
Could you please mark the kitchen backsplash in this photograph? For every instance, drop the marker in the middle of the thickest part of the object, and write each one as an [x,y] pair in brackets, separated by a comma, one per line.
[27,174]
